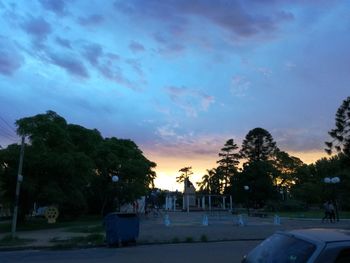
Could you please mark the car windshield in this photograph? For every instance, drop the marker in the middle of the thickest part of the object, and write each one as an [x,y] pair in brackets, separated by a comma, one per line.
[280,248]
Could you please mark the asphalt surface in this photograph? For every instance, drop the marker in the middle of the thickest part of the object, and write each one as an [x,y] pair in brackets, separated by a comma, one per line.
[229,251]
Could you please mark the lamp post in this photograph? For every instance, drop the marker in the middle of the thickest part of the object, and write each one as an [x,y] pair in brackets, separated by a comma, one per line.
[246,188]
[282,194]
[333,181]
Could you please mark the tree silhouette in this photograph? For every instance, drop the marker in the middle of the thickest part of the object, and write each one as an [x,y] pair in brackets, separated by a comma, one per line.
[185,174]
[205,184]
[258,145]
[341,132]
[228,162]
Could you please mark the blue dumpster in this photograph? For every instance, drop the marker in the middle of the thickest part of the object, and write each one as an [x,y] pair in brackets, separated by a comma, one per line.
[121,227]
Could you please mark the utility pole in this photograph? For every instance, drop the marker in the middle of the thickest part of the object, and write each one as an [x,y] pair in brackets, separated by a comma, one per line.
[18,186]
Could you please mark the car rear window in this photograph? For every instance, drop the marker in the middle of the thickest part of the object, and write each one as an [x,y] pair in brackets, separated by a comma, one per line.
[280,248]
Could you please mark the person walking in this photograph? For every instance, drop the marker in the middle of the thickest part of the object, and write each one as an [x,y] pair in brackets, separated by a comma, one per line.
[331,209]
[327,214]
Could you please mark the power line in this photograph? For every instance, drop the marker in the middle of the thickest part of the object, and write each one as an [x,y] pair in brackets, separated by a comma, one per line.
[8,125]
[7,130]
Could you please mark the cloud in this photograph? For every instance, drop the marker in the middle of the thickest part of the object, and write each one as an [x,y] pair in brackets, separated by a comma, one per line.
[265,71]
[116,76]
[10,58]
[91,20]
[38,28]
[239,86]
[56,6]
[136,47]
[63,42]
[190,100]
[187,145]
[300,139]
[289,65]
[70,64]
[136,65]
[172,49]
[235,17]
[92,53]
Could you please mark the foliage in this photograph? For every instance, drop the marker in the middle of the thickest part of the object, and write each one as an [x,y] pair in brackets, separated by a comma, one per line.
[341,132]
[228,163]
[258,145]
[185,174]
[258,177]
[70,166]
[286,169]
[210,183]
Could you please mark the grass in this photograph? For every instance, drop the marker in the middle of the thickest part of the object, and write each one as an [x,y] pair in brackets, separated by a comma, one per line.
[189,239]
[41,223]
[204,238]
[86,229]
[175,240]
[309,214]
[81,241]
[16,241]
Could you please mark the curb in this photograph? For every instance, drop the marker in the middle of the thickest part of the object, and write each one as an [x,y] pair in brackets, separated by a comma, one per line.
[9,249]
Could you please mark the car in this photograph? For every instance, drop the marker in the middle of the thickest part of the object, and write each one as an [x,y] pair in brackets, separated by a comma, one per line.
[303,246]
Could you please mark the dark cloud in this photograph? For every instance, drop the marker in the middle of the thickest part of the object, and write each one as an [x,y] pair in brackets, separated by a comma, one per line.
[300,140]
[116,76]
[91,20]
[63,42]
[70,64]
[136,47]
[10,59]
[38,28]
[56,6]
[236,17]
[92,53]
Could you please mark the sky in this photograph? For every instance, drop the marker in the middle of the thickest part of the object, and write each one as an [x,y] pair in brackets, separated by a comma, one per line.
[178,77]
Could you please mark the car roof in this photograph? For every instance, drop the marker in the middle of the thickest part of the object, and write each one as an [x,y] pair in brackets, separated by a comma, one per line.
[322,234]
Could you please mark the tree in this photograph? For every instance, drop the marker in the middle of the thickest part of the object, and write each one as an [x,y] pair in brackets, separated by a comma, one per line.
[70,166]
[341,133]
[124,159]
[258,177]
[206,184]
[258,145]
[228,162]
[185,174]
[287,167]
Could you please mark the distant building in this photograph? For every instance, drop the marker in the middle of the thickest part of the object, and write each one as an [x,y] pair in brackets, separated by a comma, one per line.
[189,194]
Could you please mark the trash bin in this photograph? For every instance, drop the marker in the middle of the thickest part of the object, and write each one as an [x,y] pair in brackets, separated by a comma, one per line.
[121,227]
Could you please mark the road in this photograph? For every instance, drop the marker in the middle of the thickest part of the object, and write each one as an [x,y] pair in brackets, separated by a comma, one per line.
[210,252]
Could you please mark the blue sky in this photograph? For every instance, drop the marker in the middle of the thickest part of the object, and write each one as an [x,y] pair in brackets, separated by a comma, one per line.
[179,77]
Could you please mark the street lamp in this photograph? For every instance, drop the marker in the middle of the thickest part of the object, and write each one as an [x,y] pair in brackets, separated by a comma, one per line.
[115,178]
[333,181]
[246,188]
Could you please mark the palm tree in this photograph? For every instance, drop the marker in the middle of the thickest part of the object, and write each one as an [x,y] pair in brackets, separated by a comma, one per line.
[185,174]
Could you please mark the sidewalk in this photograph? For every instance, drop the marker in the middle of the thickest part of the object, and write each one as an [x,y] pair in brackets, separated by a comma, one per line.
[185,227]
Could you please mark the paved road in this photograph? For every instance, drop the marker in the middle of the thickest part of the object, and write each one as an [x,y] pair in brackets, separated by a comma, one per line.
[171,253]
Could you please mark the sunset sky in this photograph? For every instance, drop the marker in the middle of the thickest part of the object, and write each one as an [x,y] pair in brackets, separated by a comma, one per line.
[179,77]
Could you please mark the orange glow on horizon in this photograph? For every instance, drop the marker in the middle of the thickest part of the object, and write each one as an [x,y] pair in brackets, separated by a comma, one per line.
[168,167]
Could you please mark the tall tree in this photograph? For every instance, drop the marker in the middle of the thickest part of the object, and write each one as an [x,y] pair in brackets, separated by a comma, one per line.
[258,145]
[228,162]
[185,174]
[341,132]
